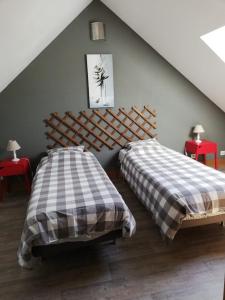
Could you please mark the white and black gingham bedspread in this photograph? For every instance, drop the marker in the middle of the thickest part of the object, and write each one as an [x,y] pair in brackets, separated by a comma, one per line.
[172,185]
[71,198]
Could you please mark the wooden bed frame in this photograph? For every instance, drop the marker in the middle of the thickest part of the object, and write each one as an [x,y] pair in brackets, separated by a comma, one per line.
[111,128]
[204,220]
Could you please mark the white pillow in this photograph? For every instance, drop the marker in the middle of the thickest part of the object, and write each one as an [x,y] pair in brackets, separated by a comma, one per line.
[70,148]
[138,143]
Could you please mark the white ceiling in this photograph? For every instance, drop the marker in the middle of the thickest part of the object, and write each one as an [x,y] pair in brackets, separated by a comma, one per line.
[27,27]
[173,28]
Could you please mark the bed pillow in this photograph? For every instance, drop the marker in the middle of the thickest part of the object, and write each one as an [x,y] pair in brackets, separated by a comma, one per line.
[70,148]
[141,143]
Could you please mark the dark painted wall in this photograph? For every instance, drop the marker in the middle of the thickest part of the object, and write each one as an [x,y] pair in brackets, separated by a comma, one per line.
[56,81]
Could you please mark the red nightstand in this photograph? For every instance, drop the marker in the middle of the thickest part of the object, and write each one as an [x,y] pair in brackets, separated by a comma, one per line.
[204,148]
[22,167]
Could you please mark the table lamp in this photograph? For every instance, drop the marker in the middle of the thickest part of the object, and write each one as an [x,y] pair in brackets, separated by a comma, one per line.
[197,130]
[13,146]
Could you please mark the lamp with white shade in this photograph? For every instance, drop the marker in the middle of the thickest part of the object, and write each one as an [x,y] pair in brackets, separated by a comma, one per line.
[13,146]
[197,130]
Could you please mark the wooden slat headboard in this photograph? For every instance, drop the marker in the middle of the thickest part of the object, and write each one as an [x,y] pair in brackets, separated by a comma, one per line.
[101,128]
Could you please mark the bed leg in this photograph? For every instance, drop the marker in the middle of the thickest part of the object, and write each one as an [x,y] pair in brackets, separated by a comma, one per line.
[165,239]
[43,259]
[222,223]
[168,241]
[110,242]
[113,242]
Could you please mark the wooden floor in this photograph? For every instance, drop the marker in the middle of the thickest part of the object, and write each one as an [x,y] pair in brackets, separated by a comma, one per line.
[143,267]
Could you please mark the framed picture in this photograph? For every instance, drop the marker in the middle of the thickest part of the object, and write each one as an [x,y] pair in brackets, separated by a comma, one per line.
[100,80]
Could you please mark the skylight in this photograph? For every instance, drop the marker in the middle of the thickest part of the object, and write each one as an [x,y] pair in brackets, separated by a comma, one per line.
[216,41]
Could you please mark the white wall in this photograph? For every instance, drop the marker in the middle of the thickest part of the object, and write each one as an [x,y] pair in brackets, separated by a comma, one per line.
[27,27]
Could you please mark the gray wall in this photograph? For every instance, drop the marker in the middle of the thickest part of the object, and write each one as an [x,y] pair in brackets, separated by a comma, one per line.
[56,81]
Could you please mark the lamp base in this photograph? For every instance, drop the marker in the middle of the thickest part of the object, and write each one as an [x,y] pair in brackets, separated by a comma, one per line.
[198,141]
[15,159]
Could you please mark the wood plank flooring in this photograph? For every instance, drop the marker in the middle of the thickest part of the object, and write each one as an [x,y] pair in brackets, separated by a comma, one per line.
[144,267]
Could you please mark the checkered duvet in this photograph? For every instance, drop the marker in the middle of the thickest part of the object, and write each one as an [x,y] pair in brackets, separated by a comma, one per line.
[171,185]
[72,199]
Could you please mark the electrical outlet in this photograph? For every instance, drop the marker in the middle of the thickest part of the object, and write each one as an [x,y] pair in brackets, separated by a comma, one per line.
[193,156]
[222,152]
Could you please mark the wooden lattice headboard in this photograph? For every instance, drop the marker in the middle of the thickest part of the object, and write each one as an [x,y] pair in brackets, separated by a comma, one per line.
[98,128]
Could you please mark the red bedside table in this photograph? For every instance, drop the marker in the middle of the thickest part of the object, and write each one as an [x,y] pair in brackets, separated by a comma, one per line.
[22,167]
[204,148]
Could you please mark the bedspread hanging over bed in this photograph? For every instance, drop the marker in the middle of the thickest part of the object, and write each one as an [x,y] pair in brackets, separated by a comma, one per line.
[72,198]
[171,185]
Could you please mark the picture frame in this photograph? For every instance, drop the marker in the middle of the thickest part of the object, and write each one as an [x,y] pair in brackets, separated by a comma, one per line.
[100,80]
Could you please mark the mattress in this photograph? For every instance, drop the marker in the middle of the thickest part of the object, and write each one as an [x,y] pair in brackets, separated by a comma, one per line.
[172,186]
[72,199]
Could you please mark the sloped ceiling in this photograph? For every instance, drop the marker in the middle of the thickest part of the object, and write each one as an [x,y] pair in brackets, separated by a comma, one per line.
[27,27]
[173,28]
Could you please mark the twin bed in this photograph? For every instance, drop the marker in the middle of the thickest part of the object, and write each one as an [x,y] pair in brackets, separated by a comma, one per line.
[74,203]
[179,191]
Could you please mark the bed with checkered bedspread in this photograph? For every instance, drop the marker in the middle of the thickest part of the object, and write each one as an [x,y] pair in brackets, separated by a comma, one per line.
[72,199]
[170,185]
